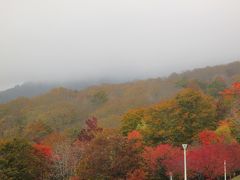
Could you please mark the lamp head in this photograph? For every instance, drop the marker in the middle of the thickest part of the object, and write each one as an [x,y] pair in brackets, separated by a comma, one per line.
[184,146]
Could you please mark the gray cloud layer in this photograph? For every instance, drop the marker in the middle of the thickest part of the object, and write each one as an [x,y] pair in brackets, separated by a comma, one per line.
[79,39]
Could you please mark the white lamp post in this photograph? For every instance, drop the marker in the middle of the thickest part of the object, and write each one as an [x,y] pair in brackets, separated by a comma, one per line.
[225,170]
[171,176]
[185,160]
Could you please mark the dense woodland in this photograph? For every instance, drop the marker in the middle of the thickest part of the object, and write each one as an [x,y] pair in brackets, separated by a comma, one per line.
[126,131]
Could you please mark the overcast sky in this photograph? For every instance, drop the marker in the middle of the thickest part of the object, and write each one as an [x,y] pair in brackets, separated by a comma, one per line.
[46,40]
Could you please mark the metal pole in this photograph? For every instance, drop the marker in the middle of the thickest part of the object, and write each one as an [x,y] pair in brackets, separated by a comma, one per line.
[185,160]
[185,165]
[225,170]
[171,176]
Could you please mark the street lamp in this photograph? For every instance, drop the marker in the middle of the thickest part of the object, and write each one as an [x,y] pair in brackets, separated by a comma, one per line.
[185,160]
[171,175]
[225,170]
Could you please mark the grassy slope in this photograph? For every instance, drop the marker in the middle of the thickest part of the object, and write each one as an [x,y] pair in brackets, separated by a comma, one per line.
[236,178]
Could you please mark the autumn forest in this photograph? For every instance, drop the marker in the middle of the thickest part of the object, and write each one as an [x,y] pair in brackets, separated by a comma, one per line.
[131,131]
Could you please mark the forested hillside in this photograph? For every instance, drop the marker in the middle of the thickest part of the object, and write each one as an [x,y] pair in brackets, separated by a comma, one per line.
[126,131]
[31,89]
[147,147]
[65,110]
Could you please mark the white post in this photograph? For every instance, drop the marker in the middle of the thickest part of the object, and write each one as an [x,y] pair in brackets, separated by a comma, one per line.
[225,170]
[171,176]
[185,160]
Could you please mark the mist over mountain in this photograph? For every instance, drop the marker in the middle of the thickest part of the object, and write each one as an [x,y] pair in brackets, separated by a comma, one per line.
[31,89]
[135,39]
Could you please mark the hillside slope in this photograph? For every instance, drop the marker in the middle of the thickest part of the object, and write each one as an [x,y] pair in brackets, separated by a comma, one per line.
[64,109]
[31,89]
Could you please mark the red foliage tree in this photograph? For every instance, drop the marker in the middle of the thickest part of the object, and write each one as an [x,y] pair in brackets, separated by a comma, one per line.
[233,90]
[88,133]
[208,160]
[45,155]
[208,137]
[236,87]
[43,149]
[134,135]
[136,138]
[166,156]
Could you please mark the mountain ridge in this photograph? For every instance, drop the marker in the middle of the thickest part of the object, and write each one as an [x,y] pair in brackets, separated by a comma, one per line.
[31,89]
